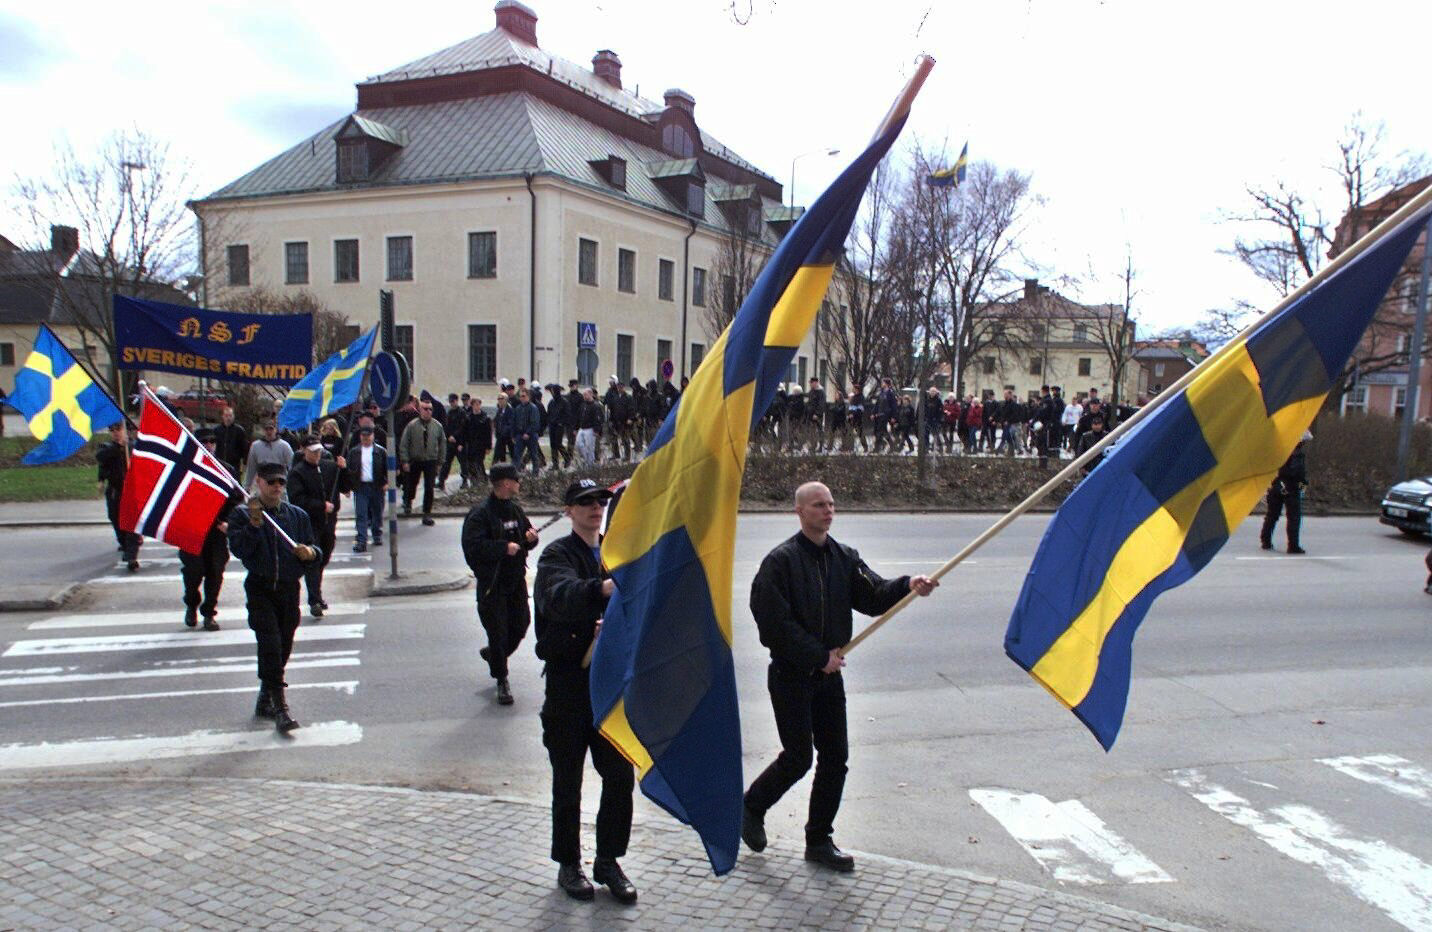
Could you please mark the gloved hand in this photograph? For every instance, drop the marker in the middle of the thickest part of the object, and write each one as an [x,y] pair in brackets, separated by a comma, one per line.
[305,553]
[256,512]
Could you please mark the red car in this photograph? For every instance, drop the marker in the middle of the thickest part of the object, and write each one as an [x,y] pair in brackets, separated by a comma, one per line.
[199,405]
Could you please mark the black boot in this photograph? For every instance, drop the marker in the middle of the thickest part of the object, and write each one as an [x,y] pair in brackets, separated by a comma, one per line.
[191,617]
[574,883]
[210,624]
[281,719]
[828,854]
[264,707]
[504,693]
[608,871]
[753,829]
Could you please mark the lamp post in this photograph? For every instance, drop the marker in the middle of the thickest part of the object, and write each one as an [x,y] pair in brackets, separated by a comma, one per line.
[824,151]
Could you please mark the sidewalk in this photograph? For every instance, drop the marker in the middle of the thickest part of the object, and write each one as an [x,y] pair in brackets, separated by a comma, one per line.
[228,854]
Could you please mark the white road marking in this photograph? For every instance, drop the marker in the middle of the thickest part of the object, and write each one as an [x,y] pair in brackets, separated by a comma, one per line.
[231,576]
[1394,774]
[1067,839]
[120,750]
[342,556]
[244,665]
[236,614]
[347,686]
[1303,558]
[167,641]
[1388,878]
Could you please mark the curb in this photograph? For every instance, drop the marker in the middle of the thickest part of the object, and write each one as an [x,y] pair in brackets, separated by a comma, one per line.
[419,582]
[36,598]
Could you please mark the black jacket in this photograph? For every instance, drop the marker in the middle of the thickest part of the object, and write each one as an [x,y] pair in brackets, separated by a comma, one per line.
[355,466]
[476,431]
[1294,473]
[803,595]
[557,413]
[590,417]
[232,447]
[263,553]
[113,465]
[569,601]
[489,527]
[309,487]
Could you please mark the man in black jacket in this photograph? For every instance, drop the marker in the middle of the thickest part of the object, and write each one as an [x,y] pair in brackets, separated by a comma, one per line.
[367,468]
[476,440]
[557,426]
[496,538]
[1287,492]
[314,485]
[271,586]
[453,420]
[232,441]
[113,461]
[571,595]
[802,599]
[205,569]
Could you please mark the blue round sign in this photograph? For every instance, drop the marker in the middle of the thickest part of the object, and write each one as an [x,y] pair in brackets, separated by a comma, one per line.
[388,380]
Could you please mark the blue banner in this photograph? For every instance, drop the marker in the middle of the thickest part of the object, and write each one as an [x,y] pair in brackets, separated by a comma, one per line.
[269,349]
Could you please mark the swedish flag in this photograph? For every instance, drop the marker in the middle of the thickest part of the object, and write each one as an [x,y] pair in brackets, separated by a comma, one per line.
[1163,503]
[954,176]
[662,682]
[62,405]
[330,387]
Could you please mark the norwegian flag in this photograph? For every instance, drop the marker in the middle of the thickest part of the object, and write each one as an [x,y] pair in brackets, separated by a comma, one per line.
[174,488]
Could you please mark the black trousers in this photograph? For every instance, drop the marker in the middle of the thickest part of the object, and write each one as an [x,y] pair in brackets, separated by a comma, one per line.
[568,735]
[503,450]
[810,712]
[327,534]
[273,617]
[127,540]
[427,470]
[448,458]
[206,569]
[555,437]
[505,615]
[473,459]
[1278,500]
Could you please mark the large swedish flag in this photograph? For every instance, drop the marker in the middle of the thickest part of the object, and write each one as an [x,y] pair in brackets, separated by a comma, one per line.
[663,686]
[63,406]
[330,387]
[1169,495]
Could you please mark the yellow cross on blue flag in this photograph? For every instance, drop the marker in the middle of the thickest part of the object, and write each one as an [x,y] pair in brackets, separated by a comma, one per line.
[662,681]
[1166,499]
[954,176]
[62,405]
[330,387]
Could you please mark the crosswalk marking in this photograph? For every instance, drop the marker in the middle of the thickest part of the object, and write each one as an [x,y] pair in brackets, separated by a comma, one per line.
[120,750]
[236,614]
[166,641]
[1394,774]
[232,576]
[1067,839]
[1386,877]
[346,686]
[52,675]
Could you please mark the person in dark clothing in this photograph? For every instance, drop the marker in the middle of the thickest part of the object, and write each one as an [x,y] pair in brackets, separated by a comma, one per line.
[886,408]
[476,440]
[933,412]
[232,442]
[502,428]
[1093,435]
[802,598]
[571,595]
[453,422]
[496,538]
[205,569]
[619,418]
[271,586]
[557,426]
[905,426]
[526,430]
[855,417]
[314,484]
[113,461]
[367,468]
[1287,492]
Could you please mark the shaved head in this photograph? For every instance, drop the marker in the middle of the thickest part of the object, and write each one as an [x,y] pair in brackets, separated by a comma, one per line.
[816,510]
[809,491]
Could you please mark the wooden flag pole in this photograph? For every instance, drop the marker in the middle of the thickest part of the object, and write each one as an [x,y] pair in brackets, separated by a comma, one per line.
[1408,211]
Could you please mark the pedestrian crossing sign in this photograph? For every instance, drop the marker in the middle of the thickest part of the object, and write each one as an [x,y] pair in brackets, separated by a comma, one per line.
[586,335]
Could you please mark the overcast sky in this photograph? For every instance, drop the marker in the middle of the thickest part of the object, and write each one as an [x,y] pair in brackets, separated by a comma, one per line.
[1140,122]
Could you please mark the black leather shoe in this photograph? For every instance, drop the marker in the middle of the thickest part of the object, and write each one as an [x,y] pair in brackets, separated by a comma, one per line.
[210,624]
[753,830]
[1296,549]
[316,609]
[504,693]
[428,522]
[574,883]
[133,566]
[360,547]
[264,707]
[322,603]
[832,857]
[191,618]
[282,720]
[608,872]
[1267,545]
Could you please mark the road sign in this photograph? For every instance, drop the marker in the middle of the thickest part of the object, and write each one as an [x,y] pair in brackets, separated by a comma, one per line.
[668,369]
[388,380]
[587,363]
[586,335]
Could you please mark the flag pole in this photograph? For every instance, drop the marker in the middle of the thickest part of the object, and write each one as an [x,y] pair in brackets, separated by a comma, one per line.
[348,429]
[1407,213]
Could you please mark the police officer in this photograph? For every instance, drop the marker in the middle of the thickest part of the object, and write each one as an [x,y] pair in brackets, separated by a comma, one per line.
[314,485]
[1287,492]
[572,594]
[206,568]
[271,586]
[113,460]
[496,538]
[802,598]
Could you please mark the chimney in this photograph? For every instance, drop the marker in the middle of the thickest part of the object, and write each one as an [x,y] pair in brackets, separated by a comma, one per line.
[64,241]
[517,21]
[607,66]
[1031,289]
[681,100]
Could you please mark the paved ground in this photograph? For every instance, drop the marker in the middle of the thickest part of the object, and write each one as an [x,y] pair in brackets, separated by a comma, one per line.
[228,854]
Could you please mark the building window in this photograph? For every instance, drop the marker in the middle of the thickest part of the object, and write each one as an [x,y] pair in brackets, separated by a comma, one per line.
[698,353]
[626,271]
[352,161]
[400,258]
[1036,332]
[1086,365]
[403,346]
[1399,401]
[696,199]
[1158,370]
[676,140]
[666,274]
[295,263]
[624,351]
[824,369]
[345,260]
[1081,333]
[698,287]
[482,255]
[663,353]
[482,352]
[7,354]
[1355,401]
[238,265]
[803,370]
[586,262]
[989,365]
[1036,366]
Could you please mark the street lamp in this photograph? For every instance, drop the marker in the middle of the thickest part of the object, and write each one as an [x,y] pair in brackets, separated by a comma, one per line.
[797,159]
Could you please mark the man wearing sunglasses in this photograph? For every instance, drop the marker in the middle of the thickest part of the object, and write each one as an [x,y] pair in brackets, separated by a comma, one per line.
[271,587]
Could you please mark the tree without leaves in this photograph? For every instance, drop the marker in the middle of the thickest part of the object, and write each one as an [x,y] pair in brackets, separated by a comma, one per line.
[739,261]
[857,326]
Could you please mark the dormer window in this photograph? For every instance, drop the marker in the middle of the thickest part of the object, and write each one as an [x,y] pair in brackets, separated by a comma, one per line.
[364,147]
[352,160]
[683,181]
[696,199]
[612,169]
[676,140]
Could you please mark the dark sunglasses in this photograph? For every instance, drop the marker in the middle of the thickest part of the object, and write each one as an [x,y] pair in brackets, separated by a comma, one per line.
[279,481]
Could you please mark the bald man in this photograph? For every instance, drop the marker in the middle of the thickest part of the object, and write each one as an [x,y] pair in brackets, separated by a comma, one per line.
[802,599]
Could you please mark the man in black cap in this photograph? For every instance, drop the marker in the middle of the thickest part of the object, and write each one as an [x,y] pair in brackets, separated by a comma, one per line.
[206,568]
[314,485]
[496,538]
[368,478]
[271,586]
[572,593]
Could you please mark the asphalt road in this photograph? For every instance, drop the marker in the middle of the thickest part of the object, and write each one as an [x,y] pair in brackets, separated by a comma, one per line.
[1274,770]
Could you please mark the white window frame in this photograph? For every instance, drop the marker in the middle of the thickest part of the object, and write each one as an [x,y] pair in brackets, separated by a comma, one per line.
[659,260]
[596,262]
[333,242]
[635,271]
[307,261]
[414,257]
[467,256]
[1346,403]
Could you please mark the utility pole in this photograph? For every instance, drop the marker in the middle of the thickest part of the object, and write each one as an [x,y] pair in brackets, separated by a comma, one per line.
[1414,362]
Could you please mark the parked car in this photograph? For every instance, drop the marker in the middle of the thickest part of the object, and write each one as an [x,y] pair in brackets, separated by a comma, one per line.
[1407,506]
[199,404]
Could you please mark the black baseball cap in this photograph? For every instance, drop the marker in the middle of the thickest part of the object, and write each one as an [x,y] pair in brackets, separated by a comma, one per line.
[273,471]
[585,490]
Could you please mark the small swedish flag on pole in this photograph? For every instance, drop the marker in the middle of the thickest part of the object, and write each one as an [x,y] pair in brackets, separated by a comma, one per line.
[331,387]
[62,405]
[953,176]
